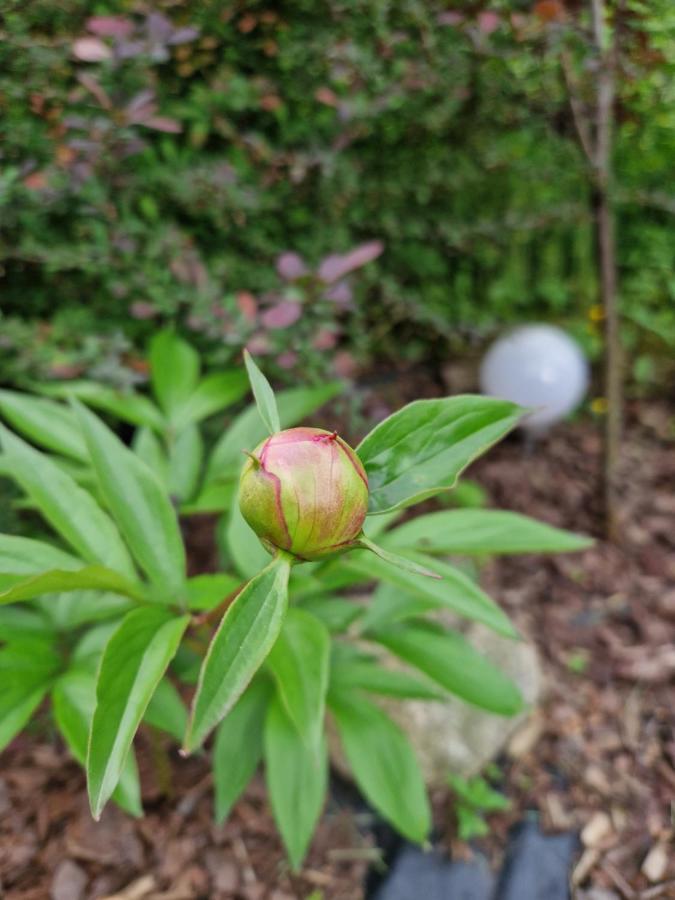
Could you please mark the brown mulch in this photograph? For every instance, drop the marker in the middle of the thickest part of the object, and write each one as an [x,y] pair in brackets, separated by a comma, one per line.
[599,757]
[51,848]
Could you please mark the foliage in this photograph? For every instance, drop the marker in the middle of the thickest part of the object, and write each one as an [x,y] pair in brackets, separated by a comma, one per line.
[103,619]
[218,168]
[473,799]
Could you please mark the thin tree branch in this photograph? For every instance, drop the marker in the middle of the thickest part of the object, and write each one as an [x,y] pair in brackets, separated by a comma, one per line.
[579,115]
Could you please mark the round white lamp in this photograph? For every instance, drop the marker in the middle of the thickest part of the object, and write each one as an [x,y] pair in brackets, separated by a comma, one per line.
[538,366]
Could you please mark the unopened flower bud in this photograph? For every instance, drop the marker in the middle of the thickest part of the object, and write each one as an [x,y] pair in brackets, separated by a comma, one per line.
[304,490]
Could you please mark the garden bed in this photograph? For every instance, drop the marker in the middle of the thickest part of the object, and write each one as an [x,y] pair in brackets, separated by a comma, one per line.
[599,757]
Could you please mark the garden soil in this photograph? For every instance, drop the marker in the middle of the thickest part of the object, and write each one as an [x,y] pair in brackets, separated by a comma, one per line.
[598,758]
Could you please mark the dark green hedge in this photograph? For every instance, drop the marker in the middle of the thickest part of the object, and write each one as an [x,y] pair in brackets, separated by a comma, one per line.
[158,158]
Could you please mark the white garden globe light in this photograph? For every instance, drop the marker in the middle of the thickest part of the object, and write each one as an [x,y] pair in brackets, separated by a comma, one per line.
[538,366]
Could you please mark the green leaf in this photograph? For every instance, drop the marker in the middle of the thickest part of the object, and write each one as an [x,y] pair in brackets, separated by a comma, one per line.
[69,610]
[17,705]
[174,371]
[299,662]
[47,423]
[383,764]
[245,636]
[296,779]
[185,463]
[25,556]
[73,700]
[214,497]
[241,544]
[336,613]
[71,510]
[477,793]
[370,676]
[18,622]
[167,711]
[147,445]
[449,660]
[483,531]
[206,591]
[27,668]
[135,659]
[455,591]
[247,430]
[125,405]
[238,747]
[400,562]
[375,525]
[93,577]
[422,449]
[138,503]
[389,604]
[264,395]
[213,393]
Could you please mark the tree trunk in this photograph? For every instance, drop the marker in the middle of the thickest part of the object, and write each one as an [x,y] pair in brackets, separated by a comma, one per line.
[607,268]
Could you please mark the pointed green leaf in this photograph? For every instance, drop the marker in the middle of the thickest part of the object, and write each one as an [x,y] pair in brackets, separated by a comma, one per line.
[422,449]
[370,676]
[455,591]
[167,711]
[25,556]
[206,591]
[400,562]
[148,446]
[336,613]
[43,421]
[135,659]
[296,779]
[264,395]
[244,638]
[238,746]
[383,764]
[299,662]
[185,463]
[89,577]
[28,666]
[138,503]
[125,405]
[213,393]
[449,660]
[174,371]
[483,531]
[68,508]
[73,700]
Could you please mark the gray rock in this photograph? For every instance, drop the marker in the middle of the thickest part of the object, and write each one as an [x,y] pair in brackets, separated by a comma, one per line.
[452,736]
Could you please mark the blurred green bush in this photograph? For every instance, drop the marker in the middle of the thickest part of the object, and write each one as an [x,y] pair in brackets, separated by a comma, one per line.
[206,163]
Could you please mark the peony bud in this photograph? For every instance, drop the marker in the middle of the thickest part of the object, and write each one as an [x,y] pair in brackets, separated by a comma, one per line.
[304,490]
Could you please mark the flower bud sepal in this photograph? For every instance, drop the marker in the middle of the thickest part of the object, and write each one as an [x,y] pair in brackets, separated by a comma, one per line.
[401,562]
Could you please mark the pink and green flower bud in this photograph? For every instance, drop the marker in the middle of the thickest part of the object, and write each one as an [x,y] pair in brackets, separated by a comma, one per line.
[304,490]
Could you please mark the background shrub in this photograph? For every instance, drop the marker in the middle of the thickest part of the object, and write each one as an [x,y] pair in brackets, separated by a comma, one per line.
[158,160]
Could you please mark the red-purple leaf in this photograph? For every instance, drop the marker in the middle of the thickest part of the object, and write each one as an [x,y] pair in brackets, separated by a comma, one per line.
[110,26]
[340,294]
[162,123]
[336,266]
[282,315]
[488,21]
[183,36]
[91,49]
[291,266]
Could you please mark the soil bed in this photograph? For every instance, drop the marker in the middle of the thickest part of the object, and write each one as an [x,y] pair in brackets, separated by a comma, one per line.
[599,757]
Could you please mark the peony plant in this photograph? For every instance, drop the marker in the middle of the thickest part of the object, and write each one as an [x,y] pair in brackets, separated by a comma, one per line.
[103,620]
